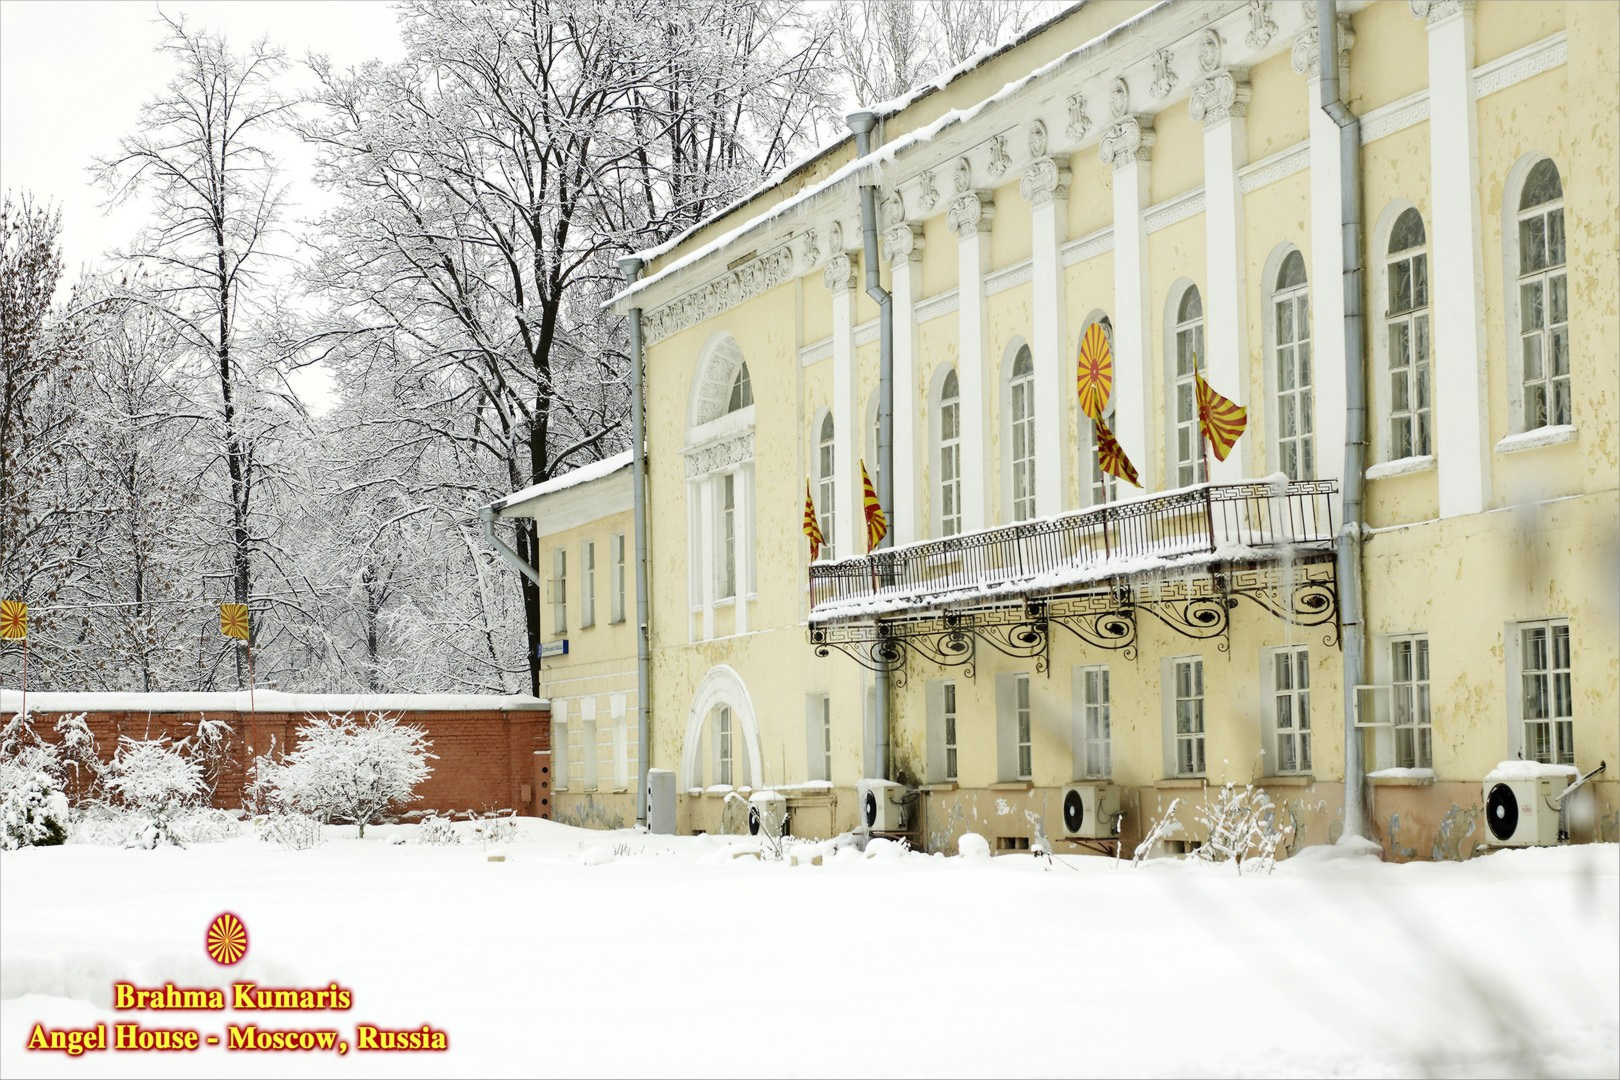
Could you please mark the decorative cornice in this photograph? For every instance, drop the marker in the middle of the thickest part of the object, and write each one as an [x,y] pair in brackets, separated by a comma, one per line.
[1044,180]
[1435,12]
[999,157]
[1269,170]
[840,272]
[903,242]
[1521,64]
[1037,139]
[961,175]
[1087,247]
[1209,51]
[812,250]
[1307,58]
[1262,27]
[747,281]
[891,210]
[720,454]
[927,191]
[1220,97]
[1164,76]
[971,213]
[1079,123]
[1173,210]
[1119,98]
[1128,140]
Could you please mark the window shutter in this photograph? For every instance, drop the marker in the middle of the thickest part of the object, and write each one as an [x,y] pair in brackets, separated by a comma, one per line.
[935,692]
[1006,728]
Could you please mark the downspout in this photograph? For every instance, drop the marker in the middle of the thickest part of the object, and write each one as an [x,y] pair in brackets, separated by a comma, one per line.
[1352,631]
[630,268]
[861,123]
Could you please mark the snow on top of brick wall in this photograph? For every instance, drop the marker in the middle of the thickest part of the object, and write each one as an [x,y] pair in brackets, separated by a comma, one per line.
[268,701]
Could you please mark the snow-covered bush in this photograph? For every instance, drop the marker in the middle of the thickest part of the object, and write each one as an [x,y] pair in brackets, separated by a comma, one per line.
[156,783]
[1166,826]
[299,832]
[210,747]
[496,828]
[33,806]
[438,831]
[1243,829]
[205,825]
[346,770]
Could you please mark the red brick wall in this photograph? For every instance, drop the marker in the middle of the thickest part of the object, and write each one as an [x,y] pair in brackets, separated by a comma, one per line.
[494,759]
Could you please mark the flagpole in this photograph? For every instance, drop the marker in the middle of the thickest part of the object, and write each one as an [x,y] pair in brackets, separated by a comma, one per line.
[1203,448]
[252,708]
[25,679]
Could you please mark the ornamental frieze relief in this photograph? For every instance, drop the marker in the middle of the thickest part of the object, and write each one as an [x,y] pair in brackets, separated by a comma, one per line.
[720,454]
[756,276]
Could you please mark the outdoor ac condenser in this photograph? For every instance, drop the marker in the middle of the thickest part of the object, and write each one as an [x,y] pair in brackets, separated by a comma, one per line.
[1091,811]
[767,815]
[661,801]
[881,804]
[1523,812]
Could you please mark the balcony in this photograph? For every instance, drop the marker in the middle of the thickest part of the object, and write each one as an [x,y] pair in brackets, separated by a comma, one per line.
[1178,530]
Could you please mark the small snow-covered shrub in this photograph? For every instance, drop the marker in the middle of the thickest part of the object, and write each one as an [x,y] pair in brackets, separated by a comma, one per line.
[210,747]
[438,831]
[1166,826]
[33,806]
[205,825]
[153,781]
[291,830]
[1243,829]
[346,770]
[496,829]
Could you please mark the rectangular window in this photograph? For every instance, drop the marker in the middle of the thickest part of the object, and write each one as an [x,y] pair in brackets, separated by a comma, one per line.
[1187,714]
[1022,712]
[589,750]
[559,592]
[1409,701]
[559,745]
[826,738]
[1096,723]
[1189,447]
[948,717]
[722,741]
[1408,321]
[727,556]
[587,584]
[1290,709]
[618,577]
[1544,315]
[621,743]
[1547,706]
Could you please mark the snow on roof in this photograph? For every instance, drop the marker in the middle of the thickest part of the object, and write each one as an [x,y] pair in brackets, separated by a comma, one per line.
[887,153]
[275,701]
[572,478]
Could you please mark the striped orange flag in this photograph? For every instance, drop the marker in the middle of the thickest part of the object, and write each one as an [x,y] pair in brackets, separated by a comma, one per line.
[812,526]
[1221,420]
[1111,456]
[877,522]
[233,621]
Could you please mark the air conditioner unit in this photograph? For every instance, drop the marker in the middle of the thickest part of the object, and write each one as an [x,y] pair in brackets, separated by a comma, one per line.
[661,801]
[1091,811]
[882,805]
[767,815]
[1522,810]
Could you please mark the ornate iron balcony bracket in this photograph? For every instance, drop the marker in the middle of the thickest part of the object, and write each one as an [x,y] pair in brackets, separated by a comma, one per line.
[1305,594]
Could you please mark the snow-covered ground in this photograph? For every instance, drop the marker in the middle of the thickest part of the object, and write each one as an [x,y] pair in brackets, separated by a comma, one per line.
[591,953]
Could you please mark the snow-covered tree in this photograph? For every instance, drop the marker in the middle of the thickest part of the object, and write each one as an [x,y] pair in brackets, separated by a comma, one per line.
[348,771]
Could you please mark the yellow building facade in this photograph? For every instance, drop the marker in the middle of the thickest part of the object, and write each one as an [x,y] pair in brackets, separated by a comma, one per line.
[1164,171]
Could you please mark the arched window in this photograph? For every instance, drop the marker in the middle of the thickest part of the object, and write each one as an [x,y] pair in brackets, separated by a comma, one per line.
[1101,487]
[1021,418]
[1189,355]
[874,460]
[1291,338]
[1407,327]
[1543,299]
[742,391]
[826,507]
[722,744]
[950,456]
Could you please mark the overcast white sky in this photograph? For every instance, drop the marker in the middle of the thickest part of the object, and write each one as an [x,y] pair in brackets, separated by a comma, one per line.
[73,76]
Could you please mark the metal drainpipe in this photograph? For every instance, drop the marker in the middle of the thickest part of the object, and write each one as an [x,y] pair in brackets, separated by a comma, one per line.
[861,123]
[630,268]
[1355,428]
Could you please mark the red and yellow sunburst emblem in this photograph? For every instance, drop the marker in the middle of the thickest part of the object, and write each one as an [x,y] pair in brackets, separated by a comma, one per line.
[227,939]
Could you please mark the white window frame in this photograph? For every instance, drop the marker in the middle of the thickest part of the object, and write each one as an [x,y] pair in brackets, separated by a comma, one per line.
[725,541]
[723,756]
[589,750]
[948,458]
[1020,435]
[741,395]
[943,758]
[827,485]
[1093,723]
[874,460]
[1286,678]
[1549,279]
[1175,703]
[948,732]
[1186,341]
[1411,715]
[618,606]
[1558,701]
[559,591]
[560,757]
[621,742]
[587,584]
[1296,356]
[1024,717]
[1410,430]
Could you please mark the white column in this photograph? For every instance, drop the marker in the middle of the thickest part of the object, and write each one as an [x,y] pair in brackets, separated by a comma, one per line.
[1327,258]
[903,246]
[970,215]
[1128,145]
[705,571]
[1046,186]
[840,279]
[1221,102]
[1458,347]
[742,541]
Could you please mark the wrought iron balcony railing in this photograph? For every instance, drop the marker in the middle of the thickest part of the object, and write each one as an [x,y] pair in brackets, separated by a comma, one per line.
[1216,520]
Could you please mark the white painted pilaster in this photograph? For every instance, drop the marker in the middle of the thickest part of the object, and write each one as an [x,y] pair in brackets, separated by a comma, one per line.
[1327,260]
[970,216]
[847,434]
[706,582]
[1221,103]
[1128,146]
[1046,186]
[1461,421]
[903,245]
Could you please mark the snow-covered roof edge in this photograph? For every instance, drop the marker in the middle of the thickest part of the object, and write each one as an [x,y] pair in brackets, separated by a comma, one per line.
[595,470]
[270,701]
[883,154]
